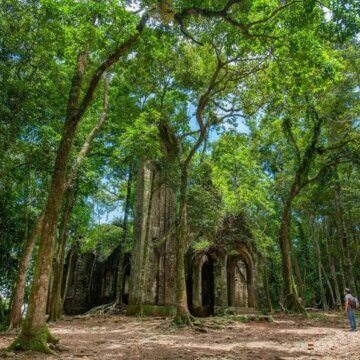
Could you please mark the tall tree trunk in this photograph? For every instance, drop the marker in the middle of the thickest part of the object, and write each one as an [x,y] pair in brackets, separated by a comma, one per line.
[55,303]
[144,265]
[34,328]
[290,293]
[91,277]
[267,289]
[300,181]
[284,240]
[2,311]
[299,281]
[319,266]
[19,289]
[296,270]
[345,241]
[68,273]
[182,310]
[26,205]
[331,291]
[335,282]
[119,284]
[337,303]
[342,275]
[34,334]
[354,228]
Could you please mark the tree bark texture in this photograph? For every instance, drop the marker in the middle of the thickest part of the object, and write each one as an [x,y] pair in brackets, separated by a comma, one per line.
[119,284]
[348,268]
[182,310]
[15,316]
[55,303]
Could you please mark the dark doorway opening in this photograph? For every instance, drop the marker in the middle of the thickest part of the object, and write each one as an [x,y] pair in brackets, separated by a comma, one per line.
[207,286]
[125,284]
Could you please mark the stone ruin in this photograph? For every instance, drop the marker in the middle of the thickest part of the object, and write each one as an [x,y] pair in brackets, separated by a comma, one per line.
[222,279]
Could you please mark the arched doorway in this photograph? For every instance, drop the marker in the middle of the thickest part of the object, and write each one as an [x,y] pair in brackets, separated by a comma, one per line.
[207,286]
[125,284]
[240,281]
[202,289]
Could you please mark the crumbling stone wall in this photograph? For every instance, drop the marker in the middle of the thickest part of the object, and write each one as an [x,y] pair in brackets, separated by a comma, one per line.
[222,279]
[235,277]
[92,282]
[77,300]
[104,280]
[153,224]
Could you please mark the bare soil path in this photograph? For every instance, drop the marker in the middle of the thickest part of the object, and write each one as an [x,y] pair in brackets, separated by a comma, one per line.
[324,336]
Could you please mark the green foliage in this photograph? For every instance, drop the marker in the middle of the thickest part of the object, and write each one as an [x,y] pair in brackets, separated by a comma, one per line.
[204,201]
[284,67]
[201,245]
[142,131]
[102,240]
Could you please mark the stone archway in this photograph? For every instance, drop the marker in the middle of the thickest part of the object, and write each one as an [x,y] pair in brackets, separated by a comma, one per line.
[240,280]
[203,287]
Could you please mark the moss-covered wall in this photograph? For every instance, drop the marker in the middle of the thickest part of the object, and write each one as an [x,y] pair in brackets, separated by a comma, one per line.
[154,217]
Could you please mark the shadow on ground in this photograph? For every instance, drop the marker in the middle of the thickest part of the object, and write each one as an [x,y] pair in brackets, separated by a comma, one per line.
[120,337]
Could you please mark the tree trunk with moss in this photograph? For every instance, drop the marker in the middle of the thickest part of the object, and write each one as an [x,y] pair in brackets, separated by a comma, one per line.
[182,310]
[145,257]
[55,303]
[344,238]
[300,181]
[15,316]
[331,291]
[296,269]
[325,305]
[267,289]
[120,274]
[331,262]
[70,258]
[290,296]
[35,334]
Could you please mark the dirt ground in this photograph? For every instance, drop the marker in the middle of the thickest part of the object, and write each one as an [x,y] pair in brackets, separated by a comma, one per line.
[323,336]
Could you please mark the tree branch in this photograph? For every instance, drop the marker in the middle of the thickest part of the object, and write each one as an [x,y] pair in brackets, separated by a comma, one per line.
[274,13]
[336,162]
[224,14]
[113,58]
[288,130]
[91,136]
[203,101]
[322,150]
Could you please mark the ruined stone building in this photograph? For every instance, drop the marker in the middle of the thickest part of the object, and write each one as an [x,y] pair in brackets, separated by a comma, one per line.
[221,279]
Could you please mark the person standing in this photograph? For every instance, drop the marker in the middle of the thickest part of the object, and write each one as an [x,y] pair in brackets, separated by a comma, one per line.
[350,306]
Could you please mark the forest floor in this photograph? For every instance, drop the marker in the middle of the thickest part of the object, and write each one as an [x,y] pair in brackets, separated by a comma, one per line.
[317,336]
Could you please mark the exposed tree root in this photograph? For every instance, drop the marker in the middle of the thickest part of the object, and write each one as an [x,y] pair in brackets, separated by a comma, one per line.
[13,327]
[34,340]
[112,308]
[184,320]
[292,304]
[141,312]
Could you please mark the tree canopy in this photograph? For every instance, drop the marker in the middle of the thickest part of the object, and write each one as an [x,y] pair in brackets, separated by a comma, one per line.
[248,107]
